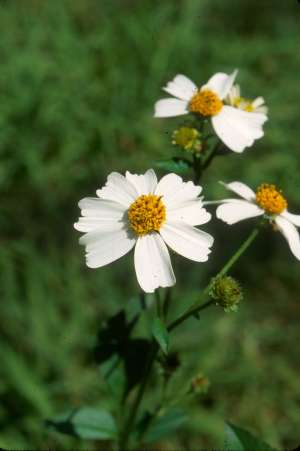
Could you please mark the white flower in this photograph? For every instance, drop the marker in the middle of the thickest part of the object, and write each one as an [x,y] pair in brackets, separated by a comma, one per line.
[266,201]
[237,129]
[235,99]
[136,210]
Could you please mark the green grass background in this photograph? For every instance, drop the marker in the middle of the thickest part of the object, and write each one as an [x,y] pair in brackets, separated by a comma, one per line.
[78,81]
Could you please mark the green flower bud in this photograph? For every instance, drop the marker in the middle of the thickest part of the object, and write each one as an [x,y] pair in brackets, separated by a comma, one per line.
[188,138]
[227,292]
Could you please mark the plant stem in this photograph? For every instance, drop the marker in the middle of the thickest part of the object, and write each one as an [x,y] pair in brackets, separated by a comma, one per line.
[196,307]
[125,436]
[211,156]
[158,304]
[154,348]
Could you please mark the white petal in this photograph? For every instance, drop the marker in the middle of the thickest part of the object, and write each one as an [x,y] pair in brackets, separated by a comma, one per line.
[97,213]
[294,219]
[262,109]
[170,108]
[234,93]
[238,129]
[181,87]
[237,210]
[259,101]
[145,183]
[191,212]
[175,191]
[221,83]
[152,263]
[241,189]
[186,240]
[106,246]
[290,233]
[118,189]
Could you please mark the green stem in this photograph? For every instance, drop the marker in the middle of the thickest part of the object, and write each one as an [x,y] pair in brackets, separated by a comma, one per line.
[210,156]
[194,309]
[158,304]
[125,436]
[154,348]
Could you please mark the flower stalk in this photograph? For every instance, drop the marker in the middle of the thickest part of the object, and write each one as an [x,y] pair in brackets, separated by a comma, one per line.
[196,308]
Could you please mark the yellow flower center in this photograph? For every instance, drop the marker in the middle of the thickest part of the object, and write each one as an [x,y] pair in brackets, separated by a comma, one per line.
[206,103]
[147,214]
[270,199]
[249,107]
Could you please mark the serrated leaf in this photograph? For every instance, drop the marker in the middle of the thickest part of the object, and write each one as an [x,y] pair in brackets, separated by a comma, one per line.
[238,439]
[178,165]
[87,423]
[165,425]
[161,335]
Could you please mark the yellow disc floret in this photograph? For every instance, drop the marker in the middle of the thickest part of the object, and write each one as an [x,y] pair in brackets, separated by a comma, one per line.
[270,199]
[206,103]
[243,104]
[147,214]
[188,138]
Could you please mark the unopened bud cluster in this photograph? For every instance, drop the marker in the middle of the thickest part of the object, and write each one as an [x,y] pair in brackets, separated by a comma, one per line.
[187,138]
[227,292]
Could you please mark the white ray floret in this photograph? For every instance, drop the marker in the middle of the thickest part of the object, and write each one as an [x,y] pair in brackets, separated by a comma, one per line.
[236,127]
[266,201]
[137,211]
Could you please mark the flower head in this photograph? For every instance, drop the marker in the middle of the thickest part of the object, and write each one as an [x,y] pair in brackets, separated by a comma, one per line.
[236,127]
[235,99]
[138,211]
[227,292]
[267,201]
[188,138]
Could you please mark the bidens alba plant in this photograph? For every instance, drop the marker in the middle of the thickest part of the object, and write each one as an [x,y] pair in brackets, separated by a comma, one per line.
[236,127]
[150,216]
[138,211]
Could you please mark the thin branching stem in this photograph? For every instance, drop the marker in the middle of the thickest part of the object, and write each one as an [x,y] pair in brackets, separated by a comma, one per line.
[193,310]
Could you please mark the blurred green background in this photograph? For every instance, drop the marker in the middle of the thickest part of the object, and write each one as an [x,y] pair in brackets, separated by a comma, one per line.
[78,81]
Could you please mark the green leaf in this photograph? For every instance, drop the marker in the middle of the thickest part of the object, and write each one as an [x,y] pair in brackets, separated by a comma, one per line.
[87,422]
[178,165]
[238,439]
[161,335]
[165,425]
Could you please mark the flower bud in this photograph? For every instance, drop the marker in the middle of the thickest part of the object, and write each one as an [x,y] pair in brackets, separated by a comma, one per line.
[227,292]
[188,138]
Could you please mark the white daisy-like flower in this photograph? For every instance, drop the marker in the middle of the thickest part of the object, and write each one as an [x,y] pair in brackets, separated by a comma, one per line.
[235,99]
[268,201]
[237,128]
[138,211]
